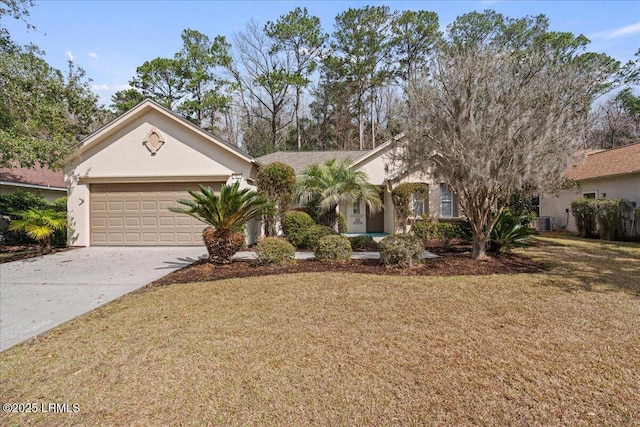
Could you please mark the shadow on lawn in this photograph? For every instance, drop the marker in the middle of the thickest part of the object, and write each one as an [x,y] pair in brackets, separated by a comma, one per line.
[595,267]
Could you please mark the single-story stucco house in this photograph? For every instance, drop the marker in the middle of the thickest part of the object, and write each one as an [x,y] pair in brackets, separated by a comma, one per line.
[38,180]
[440,202]
[605,174]
[125,176]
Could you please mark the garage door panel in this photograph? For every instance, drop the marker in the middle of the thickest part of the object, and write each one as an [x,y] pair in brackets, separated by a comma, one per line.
[137,214]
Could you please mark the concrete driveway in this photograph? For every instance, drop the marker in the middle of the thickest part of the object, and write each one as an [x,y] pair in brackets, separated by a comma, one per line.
[40,293]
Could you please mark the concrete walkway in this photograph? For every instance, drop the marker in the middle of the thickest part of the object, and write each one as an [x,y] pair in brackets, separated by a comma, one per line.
[40,293]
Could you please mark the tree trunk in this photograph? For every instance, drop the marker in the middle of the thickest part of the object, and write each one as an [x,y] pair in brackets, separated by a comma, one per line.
[479,245]
[222,244]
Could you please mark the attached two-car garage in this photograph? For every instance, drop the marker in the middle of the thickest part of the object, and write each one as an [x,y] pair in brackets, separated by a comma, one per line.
[125,176]
[138,215]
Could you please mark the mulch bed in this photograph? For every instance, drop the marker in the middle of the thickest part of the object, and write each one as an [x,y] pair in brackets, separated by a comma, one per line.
[19,252]
[454,261]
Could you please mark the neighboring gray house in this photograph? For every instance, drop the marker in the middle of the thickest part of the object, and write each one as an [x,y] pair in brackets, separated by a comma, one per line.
[605,174]
[38,180]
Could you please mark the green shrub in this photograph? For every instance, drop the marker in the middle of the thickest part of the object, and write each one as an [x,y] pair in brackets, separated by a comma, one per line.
[423,229]
[400,250]
[13,203]
[294,226]
[402,197]
[510,231]
[314,233]
[585,212]
[429,229]
[611,216]
[363,243]
[274,250]
[342,223]
[333,248]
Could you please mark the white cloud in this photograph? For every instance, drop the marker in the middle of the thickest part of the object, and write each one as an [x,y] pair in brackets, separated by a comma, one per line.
[69,55]
[626,31]
[107,88]
[93,55]
[618,32]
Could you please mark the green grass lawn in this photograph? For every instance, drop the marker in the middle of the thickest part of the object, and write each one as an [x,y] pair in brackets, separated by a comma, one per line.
[560,347]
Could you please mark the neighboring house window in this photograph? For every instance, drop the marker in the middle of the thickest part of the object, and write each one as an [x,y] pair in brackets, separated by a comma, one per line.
[356,207]
[418,205]
[591,195]
[447,206]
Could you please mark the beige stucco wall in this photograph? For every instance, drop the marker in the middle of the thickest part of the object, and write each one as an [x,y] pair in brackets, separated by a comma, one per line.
[186,156]
[617,187]
[378,168]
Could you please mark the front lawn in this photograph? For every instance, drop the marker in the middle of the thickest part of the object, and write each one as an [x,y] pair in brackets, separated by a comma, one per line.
[558,347]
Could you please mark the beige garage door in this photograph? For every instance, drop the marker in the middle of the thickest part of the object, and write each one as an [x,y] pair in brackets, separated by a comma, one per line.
[138,215]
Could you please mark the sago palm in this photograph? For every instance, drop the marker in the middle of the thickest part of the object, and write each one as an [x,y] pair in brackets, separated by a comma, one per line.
[326,185]
[226,214]
[40,224]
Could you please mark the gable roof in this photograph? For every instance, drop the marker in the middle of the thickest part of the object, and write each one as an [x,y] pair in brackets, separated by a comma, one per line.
[36,177]
[140,110]
[299,160]
[615,161]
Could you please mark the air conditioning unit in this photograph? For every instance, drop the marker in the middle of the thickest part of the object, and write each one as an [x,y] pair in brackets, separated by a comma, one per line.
[544,223]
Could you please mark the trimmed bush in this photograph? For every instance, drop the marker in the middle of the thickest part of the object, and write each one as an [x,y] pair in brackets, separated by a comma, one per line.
[274,250]
[294,226]
[400,250]
[584,211]
[333,248]
[314,233]
[429,229]
[612,216]
[342,223]
[365,243]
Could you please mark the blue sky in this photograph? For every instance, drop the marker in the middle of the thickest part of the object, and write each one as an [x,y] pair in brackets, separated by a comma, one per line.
[109,39]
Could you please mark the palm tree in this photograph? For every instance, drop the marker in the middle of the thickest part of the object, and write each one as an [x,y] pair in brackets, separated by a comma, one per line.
[40,224]
[226,215]
[327,185]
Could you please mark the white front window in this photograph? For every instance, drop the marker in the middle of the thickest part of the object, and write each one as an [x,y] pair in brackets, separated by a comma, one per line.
[356,207]
[417,205]
[446,201]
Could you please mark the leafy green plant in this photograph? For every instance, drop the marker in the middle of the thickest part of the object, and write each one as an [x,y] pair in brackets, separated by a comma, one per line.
[226,216]
[333,248]
[40,224]
[585,213]
[327,185]
[510,231]
[400,250]
[14,203]
[313,234]
[294,225]
[402,197]
[274,250]
[342,223]
[276,182]
[363,243]
[431,229]
[611,216]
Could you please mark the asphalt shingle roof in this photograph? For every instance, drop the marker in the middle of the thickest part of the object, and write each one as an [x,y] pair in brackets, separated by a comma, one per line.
[299,160]
[33,176]
[616,161]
